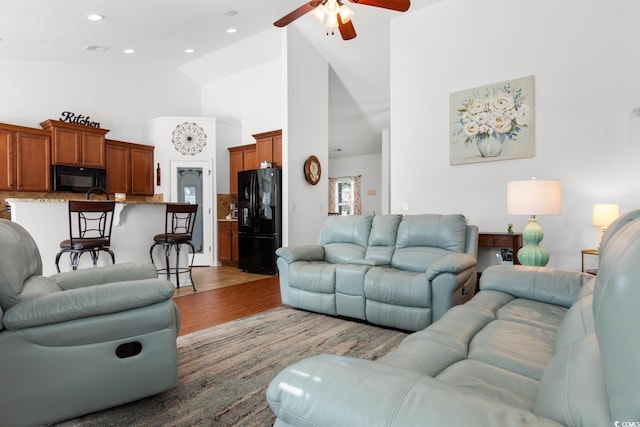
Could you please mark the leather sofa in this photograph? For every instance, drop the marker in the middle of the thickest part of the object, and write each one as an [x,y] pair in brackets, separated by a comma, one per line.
[536,346]
[79,341]
[398,271]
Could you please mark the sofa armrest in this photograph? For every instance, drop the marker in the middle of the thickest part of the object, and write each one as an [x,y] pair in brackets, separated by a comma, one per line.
[107,274]
[334,390]
[453,263]
[301,253]
[369,262]
[549,285]
[84,302]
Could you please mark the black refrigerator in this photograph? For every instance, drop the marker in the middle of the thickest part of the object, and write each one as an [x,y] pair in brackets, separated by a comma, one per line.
[259,219]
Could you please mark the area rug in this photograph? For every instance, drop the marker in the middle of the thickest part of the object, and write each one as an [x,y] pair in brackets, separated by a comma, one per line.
[224,371]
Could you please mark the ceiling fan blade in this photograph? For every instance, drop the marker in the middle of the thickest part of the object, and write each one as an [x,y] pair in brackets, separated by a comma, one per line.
[399,5]
[346,29]
[302,10]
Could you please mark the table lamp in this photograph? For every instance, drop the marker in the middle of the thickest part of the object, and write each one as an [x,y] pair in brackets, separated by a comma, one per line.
[603,215]
[534,197]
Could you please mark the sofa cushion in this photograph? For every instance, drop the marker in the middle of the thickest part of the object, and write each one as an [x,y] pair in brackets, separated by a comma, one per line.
[438,231]
[577,323]
[346,229]
[572,390]
[313,276]
[397,287]
[382,239]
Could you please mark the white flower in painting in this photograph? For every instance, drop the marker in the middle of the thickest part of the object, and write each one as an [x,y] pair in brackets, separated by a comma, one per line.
[478,106]
[484,129]
[466,117]
[502,102]
[522,115]
[471,129]
[501,123]
[482,118]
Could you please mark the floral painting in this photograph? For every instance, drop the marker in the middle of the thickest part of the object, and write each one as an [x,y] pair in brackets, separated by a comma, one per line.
[493,122]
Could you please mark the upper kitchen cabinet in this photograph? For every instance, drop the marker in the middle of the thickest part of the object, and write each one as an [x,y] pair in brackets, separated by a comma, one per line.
[25,159]
[269,148]
[76,145]
[129,168]
[242,157]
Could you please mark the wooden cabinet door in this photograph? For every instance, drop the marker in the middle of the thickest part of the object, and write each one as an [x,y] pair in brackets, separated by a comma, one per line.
[235,166]
[33,166]
[277,151]
[234,242]
[67,146]
[118,168]
[224,241]
[250,159]
[142,171]
[264,150]
[7,165]
[93,150]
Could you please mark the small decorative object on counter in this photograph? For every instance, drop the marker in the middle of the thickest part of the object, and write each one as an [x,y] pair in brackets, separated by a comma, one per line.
[158,175]
[510,228]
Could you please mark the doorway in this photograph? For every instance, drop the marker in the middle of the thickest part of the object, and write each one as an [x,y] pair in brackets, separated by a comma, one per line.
[191,182]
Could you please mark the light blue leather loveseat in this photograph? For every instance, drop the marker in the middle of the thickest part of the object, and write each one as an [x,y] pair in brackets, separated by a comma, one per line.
[79,341]
[536,346]
[398,271]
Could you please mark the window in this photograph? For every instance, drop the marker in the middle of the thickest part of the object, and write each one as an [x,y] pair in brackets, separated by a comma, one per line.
[344,195]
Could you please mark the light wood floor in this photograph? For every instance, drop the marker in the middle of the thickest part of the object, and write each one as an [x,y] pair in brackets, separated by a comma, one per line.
[224,294]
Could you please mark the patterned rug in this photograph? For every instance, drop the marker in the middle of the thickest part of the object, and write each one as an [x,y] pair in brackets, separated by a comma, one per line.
[224,371]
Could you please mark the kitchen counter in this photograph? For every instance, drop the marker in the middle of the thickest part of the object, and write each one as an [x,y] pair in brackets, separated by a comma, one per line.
[134,225]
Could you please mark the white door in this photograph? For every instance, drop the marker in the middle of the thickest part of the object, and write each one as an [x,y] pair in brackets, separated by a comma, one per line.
[191,182]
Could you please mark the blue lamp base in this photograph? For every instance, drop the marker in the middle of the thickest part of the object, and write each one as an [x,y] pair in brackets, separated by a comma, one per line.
[532,253]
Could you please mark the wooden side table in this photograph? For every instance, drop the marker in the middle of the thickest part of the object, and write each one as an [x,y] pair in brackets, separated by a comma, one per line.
[501,240]
[593,252]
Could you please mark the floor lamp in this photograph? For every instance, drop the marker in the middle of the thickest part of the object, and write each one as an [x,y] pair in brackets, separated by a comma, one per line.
[534,197]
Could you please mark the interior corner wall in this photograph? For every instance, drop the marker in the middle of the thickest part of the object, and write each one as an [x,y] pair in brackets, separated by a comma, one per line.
[121,98]
[586,70]
[305,133]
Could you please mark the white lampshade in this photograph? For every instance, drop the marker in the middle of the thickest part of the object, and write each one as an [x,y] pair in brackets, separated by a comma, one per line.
[605,214]
[534,197]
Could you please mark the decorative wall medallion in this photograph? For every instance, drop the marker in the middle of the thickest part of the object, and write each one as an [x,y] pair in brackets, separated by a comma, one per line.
[189,138]
[312,170]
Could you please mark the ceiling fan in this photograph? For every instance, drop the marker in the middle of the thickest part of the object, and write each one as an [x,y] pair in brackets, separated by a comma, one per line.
[335,14]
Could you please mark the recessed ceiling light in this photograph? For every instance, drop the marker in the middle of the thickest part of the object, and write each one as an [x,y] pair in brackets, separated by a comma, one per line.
[231,13]
[189,50]
[95,17]
[129,51]
[232,30]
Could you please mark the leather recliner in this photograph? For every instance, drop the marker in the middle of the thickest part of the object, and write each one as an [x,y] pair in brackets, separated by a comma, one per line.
[79,341]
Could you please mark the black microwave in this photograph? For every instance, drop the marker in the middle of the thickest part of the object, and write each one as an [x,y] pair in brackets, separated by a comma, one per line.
[77,179]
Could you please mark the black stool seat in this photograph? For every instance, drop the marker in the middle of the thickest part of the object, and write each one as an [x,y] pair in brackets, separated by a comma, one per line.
[178,230]
[90,225]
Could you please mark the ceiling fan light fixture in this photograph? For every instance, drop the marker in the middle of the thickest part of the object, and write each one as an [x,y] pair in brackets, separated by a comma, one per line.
[345,14]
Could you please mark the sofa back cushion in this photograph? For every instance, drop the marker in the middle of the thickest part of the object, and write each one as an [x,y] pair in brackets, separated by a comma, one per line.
[424,238]
[382,239]
[345,237]
[615,308]
[19,260]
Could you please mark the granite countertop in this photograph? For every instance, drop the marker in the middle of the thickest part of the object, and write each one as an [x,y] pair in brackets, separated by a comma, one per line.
[228,219]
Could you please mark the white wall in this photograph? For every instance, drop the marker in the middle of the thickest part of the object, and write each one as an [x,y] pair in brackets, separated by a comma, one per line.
[122,99]
[369,168]
[305,133]
[586,67]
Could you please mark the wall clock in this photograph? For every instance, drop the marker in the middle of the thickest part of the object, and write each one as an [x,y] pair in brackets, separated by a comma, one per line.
[312,170]
[188,138]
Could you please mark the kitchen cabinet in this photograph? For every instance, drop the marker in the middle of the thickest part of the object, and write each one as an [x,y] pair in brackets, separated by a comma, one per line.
[129,168]
[25,159]
[242,157]
[269,148]
[76,145]
[228,242]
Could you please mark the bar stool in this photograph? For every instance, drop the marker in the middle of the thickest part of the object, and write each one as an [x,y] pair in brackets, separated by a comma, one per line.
[178,230]
[89,231]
